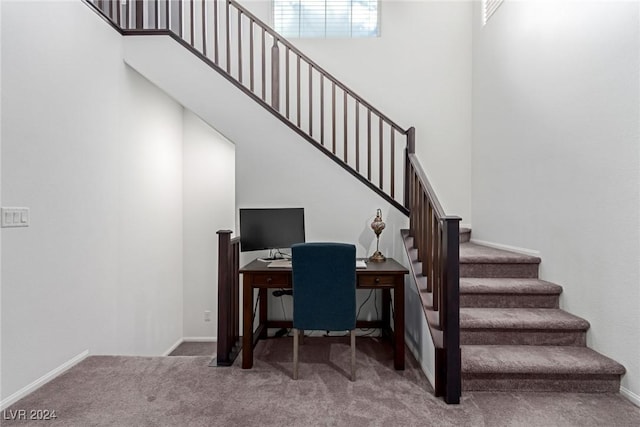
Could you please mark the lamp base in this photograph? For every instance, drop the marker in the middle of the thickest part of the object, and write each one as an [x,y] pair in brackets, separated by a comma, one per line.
[377,257]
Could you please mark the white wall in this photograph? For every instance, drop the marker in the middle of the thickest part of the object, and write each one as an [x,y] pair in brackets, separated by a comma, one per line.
[555,163]
[209,206]
[94,151]
[149,301]
[57,274]
[418,72]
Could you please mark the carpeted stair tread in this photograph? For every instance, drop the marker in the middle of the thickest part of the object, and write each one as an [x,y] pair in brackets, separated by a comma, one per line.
[471,253]
[520,318]
[523,359]
[477,285]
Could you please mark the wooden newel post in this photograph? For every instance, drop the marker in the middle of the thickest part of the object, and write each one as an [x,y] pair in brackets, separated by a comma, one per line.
[224,297]
[451,308]
[411,140]
[228,346]
[275,75]
[411,149]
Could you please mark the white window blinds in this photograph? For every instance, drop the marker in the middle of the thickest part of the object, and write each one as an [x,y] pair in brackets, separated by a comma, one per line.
[488,9]
[326,18]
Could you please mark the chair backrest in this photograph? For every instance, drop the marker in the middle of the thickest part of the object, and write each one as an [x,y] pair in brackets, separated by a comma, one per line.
[324,286]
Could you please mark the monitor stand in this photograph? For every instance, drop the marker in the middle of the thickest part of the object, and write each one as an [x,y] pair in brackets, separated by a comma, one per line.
[274,255]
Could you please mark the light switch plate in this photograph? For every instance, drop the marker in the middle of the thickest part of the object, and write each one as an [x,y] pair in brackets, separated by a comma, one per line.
[15,217]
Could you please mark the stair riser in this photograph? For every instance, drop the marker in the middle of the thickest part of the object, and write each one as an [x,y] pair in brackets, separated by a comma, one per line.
[522,337]
[465,236]
[508,301]
[541,382]
[527,271]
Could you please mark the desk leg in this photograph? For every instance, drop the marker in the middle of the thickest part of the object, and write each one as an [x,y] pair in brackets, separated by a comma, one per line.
[263,294]
[247,323]
[386,314]
[398,323]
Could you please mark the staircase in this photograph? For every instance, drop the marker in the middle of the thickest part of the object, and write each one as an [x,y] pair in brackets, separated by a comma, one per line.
[514,336]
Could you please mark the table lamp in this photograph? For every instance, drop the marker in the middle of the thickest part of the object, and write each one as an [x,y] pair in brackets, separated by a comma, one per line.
[377,226]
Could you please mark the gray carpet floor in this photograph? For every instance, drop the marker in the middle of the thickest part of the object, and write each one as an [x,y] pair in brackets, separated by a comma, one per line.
[184,391]
[195,349]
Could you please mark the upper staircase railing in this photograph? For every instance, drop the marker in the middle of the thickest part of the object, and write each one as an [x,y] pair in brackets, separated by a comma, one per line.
[311,101]
[337,121]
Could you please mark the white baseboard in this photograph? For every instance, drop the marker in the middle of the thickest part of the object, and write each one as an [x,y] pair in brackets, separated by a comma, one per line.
[523,251]
[173,347]
[5,403]
[631,396]
[200,339]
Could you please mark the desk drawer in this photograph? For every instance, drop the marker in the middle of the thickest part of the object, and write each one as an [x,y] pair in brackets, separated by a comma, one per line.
[375,280]
[272,279]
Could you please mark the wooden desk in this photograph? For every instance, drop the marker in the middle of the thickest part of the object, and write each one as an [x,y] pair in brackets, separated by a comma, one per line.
[385,275]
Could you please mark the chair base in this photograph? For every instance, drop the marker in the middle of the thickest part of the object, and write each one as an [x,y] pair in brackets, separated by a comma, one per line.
[297,339]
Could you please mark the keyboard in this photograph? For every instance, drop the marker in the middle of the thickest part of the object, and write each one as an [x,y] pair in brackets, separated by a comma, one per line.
[281,263]
[285,263]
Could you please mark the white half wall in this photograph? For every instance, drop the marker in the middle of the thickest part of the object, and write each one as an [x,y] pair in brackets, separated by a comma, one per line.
[556,155]
[417,334]
[209,206]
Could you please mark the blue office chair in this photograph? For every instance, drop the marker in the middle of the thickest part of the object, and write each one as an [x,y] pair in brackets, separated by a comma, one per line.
[324,292]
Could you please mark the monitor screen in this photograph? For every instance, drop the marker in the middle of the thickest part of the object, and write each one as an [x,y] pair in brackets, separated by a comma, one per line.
[274,228]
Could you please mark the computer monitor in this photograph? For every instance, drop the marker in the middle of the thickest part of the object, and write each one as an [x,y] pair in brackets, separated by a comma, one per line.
[271,228]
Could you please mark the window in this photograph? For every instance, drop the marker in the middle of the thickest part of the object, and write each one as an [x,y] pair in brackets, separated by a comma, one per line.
[488,9]
[326,18]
